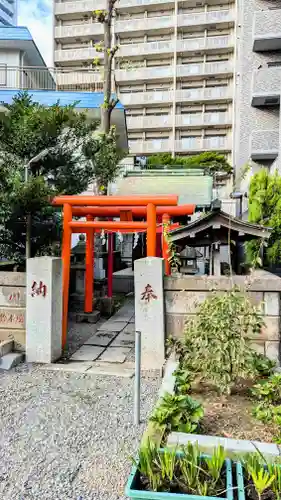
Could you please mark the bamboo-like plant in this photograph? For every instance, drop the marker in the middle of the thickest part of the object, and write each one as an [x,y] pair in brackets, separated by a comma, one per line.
[262,480]
[183,470]
[147,465]
[215,463]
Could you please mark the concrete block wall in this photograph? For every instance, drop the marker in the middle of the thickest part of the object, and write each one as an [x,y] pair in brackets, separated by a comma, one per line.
[12,307]
[182,296]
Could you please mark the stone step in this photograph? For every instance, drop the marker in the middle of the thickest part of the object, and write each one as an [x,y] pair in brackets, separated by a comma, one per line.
[11,360]
[6,346]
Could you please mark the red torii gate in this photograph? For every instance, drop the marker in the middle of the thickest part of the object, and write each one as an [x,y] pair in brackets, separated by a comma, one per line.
[125,207]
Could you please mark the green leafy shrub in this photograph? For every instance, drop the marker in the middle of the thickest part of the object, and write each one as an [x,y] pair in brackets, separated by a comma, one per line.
[268,410]
[263,365]
[265,209]
[186,471]
[209,161]
[216,345]
[183,379]
[178,413]
[269,391]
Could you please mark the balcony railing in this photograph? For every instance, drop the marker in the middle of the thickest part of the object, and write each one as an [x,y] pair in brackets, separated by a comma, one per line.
[154,146]
[72,55]
[216,42]
[204,68]
[267,30]
[214,17]
[192,144]
[161,22]
[149,122]
[35,78]
[184,120]
[200,144]
[65,9]
[203,119]
[166,72]
[266,88]
[264,144]
[192,95]
[79,30]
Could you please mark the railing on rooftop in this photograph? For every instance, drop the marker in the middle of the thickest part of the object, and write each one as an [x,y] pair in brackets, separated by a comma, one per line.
[38,78]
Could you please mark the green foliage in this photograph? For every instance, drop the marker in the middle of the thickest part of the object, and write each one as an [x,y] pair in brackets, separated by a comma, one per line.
[184,471]
[178,413]
[262,480]
[173,259]
[183,381]
[262,473]
[265,209]
[263,365]
[104,155]
[268,410]
[269,391]
[52,142]
[217,343]
[147,465]
[210,161]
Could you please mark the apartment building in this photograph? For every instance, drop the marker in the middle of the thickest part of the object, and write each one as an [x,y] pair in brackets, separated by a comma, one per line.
[174,69]
[257,107]
[8,12]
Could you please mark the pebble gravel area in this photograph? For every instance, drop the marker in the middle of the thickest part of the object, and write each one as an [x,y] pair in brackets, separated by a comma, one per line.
[68,436]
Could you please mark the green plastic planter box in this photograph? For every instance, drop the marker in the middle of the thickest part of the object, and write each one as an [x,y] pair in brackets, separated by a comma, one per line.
[132,492]
[240,481]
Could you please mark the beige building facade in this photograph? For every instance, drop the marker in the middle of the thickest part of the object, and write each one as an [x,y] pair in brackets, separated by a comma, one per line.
[174,70]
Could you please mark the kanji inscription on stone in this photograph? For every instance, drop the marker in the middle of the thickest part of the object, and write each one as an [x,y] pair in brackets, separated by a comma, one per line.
[38,289]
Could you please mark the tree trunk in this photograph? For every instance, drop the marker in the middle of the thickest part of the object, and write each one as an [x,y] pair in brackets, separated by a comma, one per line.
[105,110]
[105,120]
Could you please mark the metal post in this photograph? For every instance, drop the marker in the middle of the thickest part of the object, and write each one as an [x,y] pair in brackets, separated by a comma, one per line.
[137,377]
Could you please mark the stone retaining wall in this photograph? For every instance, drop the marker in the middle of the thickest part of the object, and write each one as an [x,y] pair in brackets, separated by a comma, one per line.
[12,307]
[183,294]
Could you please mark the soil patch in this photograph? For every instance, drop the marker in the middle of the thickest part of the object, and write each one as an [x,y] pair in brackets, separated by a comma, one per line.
[231,417]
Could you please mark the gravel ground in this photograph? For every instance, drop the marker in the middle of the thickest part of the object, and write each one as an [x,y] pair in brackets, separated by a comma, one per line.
[67,436]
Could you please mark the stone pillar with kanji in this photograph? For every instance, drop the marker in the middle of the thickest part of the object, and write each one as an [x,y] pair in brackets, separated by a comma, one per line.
[43,309]
[149,311]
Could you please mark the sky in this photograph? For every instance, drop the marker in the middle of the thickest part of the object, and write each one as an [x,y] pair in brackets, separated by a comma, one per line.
[37,16]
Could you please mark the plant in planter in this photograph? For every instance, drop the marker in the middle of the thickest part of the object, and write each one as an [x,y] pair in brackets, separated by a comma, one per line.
[169,473]
[257,478]
[178,413]
[216,346]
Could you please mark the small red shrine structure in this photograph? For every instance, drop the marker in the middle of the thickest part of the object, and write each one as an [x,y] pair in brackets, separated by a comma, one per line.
[127,209]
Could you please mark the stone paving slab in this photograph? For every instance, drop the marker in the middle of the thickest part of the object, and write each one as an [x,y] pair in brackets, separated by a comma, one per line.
[113,326]
[124,340]
[115,354]
[101,338]
[87,353]
[132,319]
[130,329]
[119,370]
[71,366]
[125,318]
